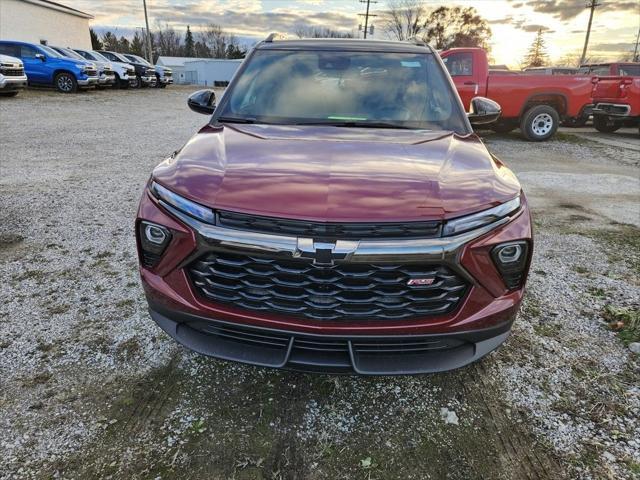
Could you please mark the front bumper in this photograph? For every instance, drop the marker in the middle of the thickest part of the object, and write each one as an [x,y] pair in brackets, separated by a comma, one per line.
[337,354]
[165,80]
[12,82]
[107,79]
[148,80]
[481,319]
[88,82]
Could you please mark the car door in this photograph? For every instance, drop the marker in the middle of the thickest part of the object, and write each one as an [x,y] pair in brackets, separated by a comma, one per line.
[35,68]
[460,67]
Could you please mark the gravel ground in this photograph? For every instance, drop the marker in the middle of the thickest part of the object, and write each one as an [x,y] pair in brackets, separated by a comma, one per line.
[91,388]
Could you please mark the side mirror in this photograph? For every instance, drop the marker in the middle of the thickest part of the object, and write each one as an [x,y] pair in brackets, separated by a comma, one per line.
[483,111]
[202,101]
[41,56]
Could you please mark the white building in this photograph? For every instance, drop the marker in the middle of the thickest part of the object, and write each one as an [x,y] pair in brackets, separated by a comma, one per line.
[42,21]
[201,71]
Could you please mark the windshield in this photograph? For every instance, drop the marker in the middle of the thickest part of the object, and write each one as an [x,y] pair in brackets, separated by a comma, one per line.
[71,54]
[99,57]
[120,58]
[403,90]
[50,51]
[137,59]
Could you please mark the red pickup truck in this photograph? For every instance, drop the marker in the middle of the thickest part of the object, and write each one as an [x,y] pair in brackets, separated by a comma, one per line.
[616,103]
[535,103]
[614,69]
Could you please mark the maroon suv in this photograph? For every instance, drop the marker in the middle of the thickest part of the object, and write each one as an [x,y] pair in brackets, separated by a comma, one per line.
[336,214]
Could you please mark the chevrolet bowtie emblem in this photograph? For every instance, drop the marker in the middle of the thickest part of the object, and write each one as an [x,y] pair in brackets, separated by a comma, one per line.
[325,253]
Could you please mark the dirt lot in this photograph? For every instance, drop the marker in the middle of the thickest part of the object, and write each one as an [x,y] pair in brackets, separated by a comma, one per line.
[91,388]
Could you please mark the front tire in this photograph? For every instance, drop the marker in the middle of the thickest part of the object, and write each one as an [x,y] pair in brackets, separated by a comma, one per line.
[65,83]
[540,123]
[604,124]
[137,83]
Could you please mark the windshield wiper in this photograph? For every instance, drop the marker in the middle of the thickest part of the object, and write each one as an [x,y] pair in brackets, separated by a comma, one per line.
[236,120]
[357,124]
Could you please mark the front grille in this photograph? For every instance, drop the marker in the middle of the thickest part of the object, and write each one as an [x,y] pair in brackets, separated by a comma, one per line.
[319,230]
[344,291]
[12,72]
[91,73]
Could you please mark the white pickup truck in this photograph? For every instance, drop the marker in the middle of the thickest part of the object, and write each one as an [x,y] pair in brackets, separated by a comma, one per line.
[12,76]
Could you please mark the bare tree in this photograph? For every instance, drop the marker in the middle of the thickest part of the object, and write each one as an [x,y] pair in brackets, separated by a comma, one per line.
[167,41]
[303,31]
[404,19]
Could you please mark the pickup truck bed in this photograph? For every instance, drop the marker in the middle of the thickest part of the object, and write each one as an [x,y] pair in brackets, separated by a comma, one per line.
[535,103]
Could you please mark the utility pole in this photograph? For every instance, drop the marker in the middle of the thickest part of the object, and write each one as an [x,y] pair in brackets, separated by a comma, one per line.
[635,50]
[592,5]
[148,36]
[366,16]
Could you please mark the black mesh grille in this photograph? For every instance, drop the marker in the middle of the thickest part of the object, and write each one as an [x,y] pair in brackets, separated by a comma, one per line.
[12,72]
[317,230]
[345,291]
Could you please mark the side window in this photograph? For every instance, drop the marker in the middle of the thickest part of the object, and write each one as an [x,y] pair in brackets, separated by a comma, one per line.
[27,52]
[459,64]
[600,70]
[85,55]
[8,49]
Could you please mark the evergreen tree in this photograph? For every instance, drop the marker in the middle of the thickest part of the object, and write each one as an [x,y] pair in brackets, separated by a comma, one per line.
[537,55]
[123,45]
[137,45]
[96,44]
[189,44]
[110,41]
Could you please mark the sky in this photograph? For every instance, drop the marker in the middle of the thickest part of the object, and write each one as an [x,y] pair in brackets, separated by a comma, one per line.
[514,23]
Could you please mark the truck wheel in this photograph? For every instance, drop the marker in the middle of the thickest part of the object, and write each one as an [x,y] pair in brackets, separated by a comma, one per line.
[503,127]
[65,82]
[604,124]
[137,83]
[540,123]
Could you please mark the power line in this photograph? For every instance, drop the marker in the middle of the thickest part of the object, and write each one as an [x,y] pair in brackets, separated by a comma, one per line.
[366,16]
[592,5]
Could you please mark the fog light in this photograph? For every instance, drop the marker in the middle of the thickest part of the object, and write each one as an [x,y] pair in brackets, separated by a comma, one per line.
[155,234]
[154,239]
[509,253]
[511,261]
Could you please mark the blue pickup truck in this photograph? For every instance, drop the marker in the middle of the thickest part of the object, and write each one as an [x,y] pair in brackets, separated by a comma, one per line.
[45,66]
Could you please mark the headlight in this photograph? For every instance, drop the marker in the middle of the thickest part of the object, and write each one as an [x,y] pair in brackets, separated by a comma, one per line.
[197,211]
[480,219]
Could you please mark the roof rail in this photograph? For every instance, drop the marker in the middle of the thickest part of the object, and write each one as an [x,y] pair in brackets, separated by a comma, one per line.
[417,41]
[274,36]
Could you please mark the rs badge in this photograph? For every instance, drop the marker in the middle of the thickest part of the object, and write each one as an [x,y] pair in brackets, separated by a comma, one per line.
[420,282]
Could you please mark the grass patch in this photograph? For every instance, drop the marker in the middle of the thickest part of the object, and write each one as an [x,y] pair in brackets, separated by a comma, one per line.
[597,292]
[624,321]
[547,329]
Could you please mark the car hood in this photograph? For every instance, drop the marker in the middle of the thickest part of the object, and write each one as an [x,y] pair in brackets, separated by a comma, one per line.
[9,59]
[325,173]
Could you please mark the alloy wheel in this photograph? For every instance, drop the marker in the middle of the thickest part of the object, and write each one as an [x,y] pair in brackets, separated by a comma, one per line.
[65,83]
